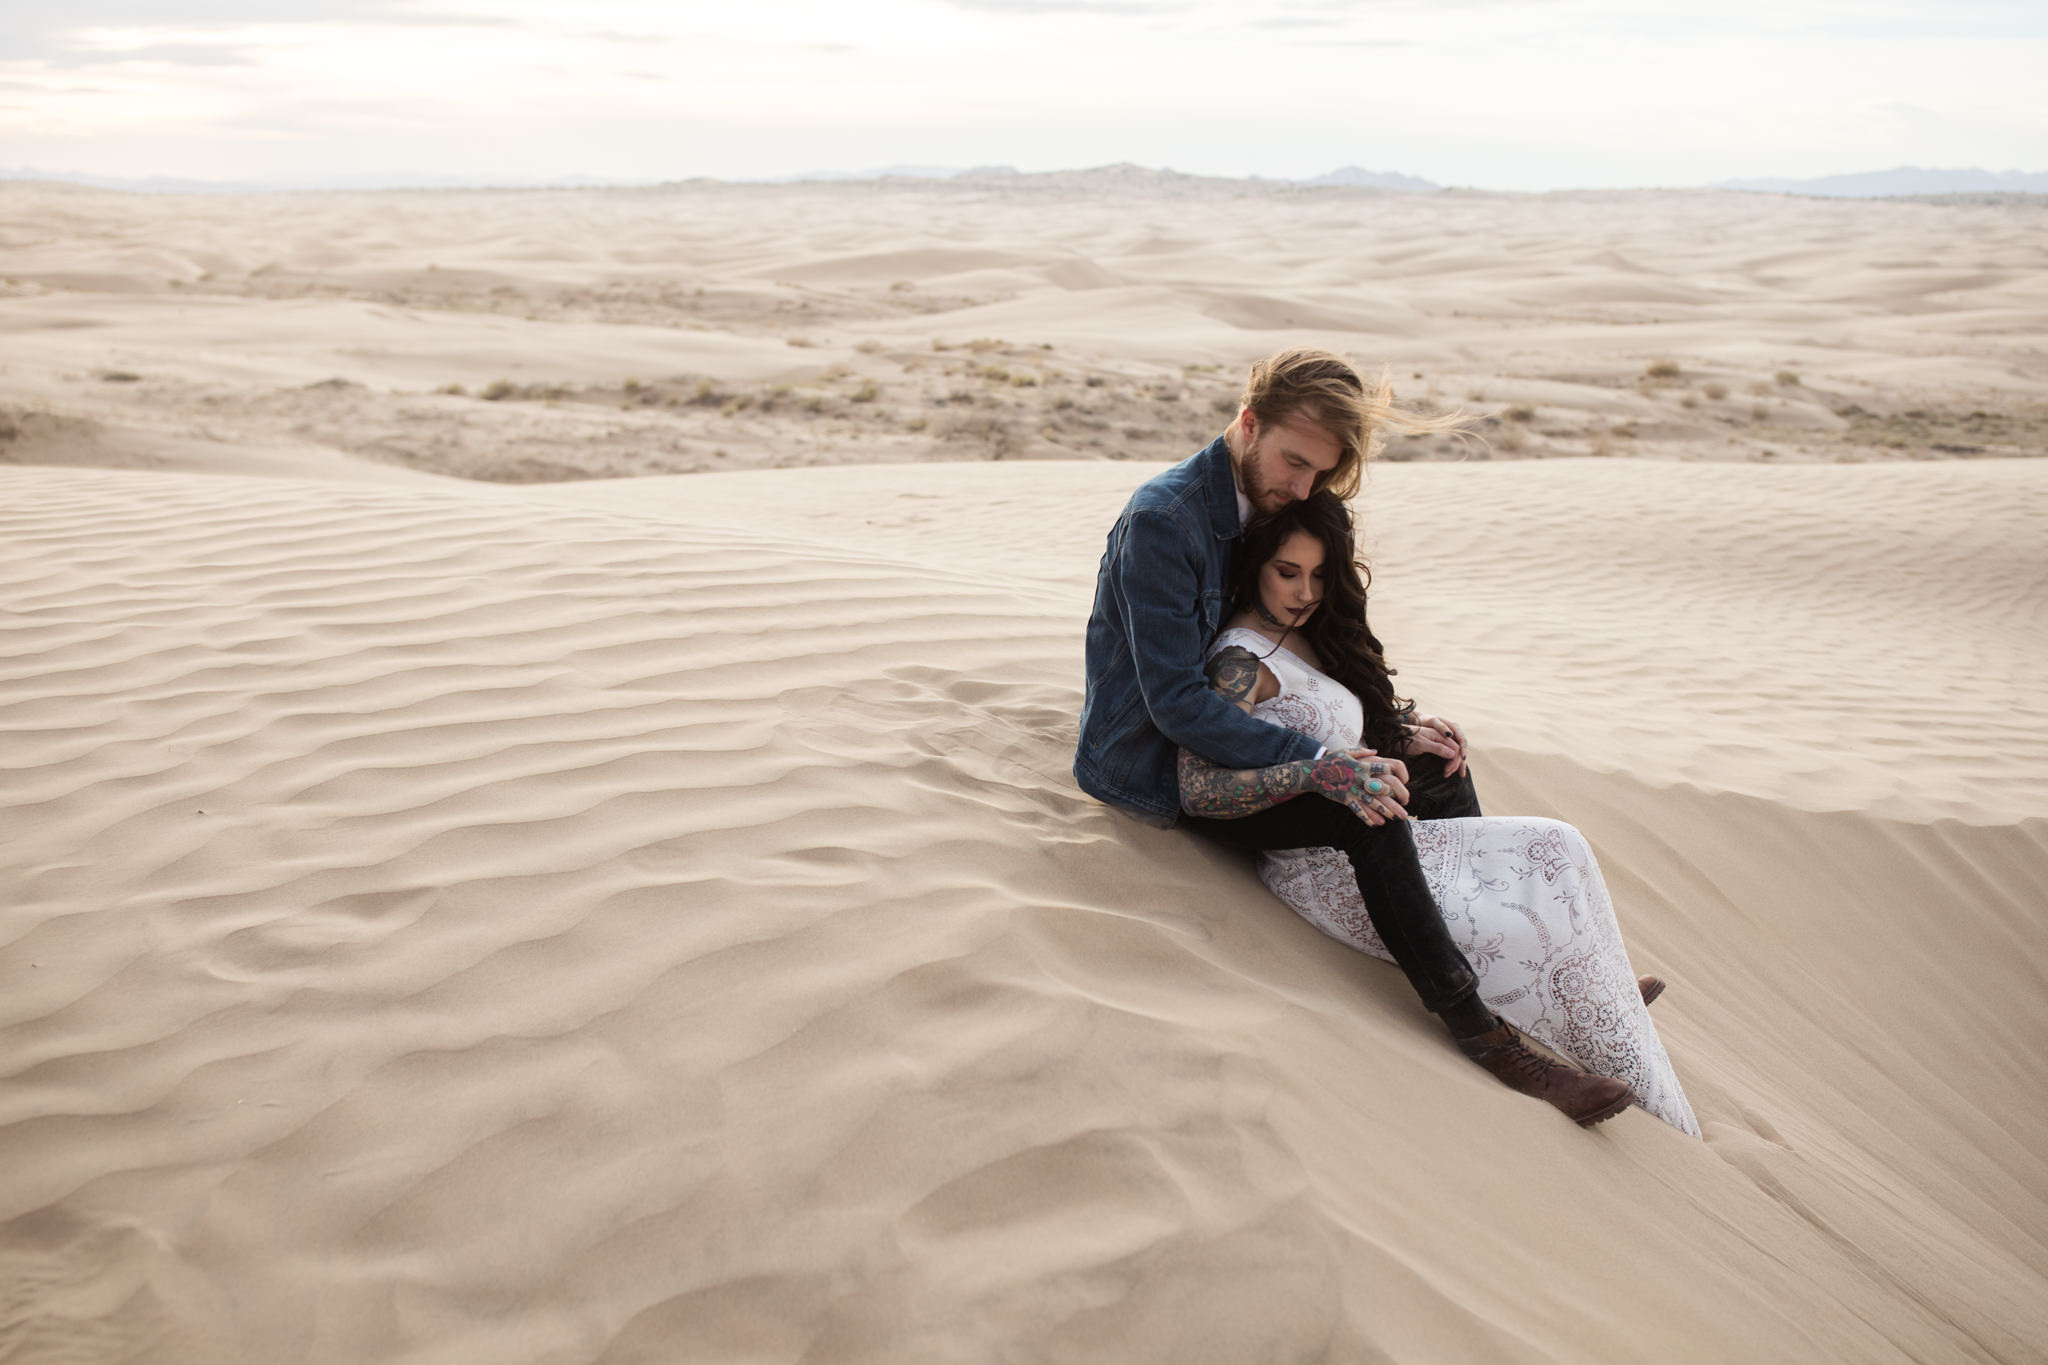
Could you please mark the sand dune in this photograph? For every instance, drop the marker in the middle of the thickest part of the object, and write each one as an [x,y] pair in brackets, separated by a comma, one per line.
[715,327]
[653,921]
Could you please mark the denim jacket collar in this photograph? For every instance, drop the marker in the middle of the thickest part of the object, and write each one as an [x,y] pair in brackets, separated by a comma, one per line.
[1219,489]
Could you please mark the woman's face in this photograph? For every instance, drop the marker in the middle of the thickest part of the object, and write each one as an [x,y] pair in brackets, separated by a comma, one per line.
[1291,582]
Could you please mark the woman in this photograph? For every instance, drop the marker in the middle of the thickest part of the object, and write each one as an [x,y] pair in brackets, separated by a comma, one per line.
[1522,896]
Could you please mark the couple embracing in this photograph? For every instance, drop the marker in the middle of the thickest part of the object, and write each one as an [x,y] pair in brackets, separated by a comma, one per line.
[1235,688]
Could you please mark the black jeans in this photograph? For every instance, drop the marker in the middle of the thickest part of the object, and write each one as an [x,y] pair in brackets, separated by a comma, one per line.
[1390,878]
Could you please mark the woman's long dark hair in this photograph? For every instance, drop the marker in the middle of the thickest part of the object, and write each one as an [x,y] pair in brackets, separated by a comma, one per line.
[1337,628]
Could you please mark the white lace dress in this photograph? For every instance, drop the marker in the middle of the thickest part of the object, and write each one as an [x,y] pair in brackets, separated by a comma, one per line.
[1522,896]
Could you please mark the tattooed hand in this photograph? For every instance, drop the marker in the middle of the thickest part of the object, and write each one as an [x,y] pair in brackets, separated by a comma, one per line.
[1234,673]
[1375,789]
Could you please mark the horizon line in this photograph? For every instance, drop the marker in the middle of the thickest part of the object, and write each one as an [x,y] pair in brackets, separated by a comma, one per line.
[1342,177]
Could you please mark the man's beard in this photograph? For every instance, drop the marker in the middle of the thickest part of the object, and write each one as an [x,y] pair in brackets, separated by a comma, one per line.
[1256,491]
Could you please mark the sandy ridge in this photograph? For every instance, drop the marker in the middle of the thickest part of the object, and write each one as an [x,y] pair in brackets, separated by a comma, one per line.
[526,336]
[671,934]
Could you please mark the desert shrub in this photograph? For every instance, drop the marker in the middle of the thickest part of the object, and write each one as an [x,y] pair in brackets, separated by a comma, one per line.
[994,374]
[632,385]
[1023,380]
[453,390]
[870,346]
[498,390]
[1522,412]
[1688,399]
[914,424]
[1715,391]
[999,436]
[1787,379]
[981,345]
[1662,369]
[866,393]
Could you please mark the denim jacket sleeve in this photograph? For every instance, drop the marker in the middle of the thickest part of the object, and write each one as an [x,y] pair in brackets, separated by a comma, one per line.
[1157,582]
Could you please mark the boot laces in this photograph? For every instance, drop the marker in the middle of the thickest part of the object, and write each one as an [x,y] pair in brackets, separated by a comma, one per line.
[1526,1063]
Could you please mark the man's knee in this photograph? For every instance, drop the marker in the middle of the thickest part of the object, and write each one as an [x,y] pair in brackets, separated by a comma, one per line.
[1325,816]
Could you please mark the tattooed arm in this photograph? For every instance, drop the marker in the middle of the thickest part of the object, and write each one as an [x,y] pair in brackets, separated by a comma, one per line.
[1234,674]
[1371,786]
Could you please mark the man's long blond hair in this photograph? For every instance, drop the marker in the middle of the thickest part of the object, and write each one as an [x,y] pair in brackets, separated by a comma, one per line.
[1325,389]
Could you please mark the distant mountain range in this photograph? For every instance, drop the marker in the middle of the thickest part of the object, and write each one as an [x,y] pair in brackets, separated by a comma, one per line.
[1122,174]
[1901,180]
[1376,180]
[165,184]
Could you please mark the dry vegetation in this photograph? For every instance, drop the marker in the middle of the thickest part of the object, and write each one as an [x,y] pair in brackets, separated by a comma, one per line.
[986,399]
[803,350]
[996,399]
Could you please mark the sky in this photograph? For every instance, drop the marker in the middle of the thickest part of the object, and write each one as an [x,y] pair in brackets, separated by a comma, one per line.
[1502,94]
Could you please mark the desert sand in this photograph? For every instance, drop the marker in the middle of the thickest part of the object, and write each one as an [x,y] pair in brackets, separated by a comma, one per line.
[651,919]
[546,335]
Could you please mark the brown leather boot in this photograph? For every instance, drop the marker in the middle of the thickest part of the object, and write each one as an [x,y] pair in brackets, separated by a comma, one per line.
[1585,1098]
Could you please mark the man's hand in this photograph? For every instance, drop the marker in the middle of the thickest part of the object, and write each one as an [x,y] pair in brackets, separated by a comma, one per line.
[1435,735]
[1375,788]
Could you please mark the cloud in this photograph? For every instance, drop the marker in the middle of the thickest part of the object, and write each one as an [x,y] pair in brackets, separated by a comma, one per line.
[1074,6]
[184,54]
[193,53]
[52,32]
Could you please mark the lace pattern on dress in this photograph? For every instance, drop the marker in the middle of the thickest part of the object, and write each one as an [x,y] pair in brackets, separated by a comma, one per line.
[1522,896]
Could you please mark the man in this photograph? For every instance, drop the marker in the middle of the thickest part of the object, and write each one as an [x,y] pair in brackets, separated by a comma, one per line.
[1307,422]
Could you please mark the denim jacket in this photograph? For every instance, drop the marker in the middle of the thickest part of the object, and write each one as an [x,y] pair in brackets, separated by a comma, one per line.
[1159,598]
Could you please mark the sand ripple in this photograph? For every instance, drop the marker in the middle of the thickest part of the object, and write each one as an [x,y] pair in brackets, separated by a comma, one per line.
[464,924]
